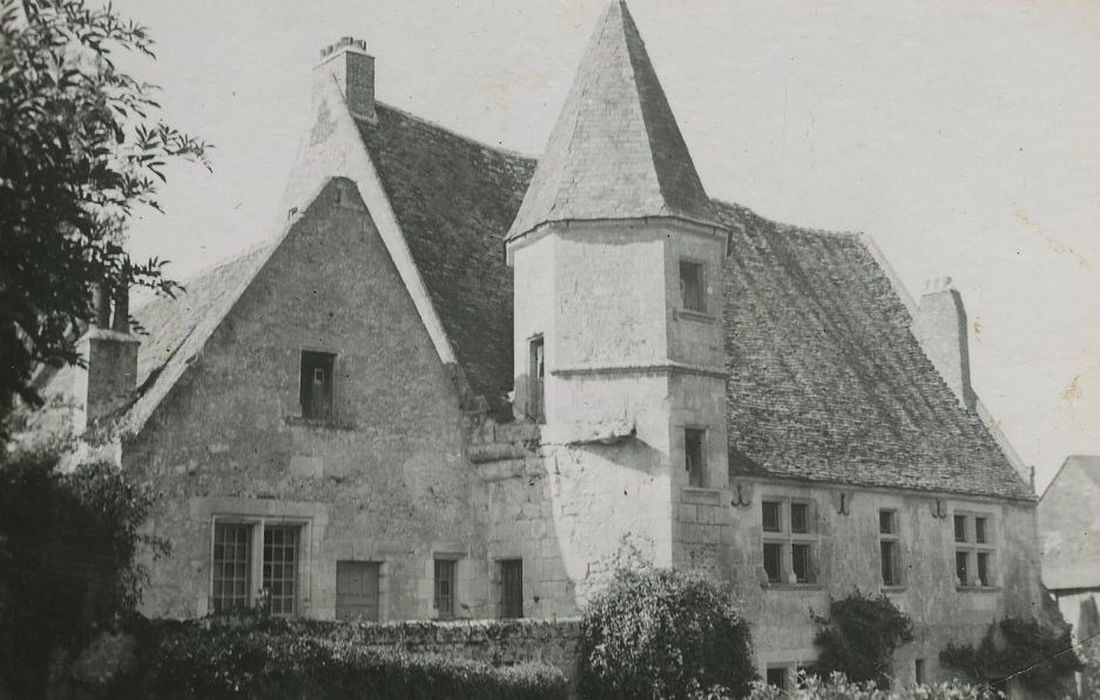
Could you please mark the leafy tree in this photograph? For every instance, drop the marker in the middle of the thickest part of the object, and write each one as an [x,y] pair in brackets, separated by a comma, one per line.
[68,543]
[80,147]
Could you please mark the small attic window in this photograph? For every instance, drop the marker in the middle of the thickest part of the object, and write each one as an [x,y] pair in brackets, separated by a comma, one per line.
[692,290]
[316,379]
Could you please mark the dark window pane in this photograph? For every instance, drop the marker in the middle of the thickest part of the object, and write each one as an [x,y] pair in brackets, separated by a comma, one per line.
[802,563]
[961,569]
[800,517]
[890,573]
[960,528]
[511,588]
[919,671]
[773,561]
[694,440]
[777,677]
[771,517]
[692,294]
[887,522]
[983,569]
[315,390]
[979,530]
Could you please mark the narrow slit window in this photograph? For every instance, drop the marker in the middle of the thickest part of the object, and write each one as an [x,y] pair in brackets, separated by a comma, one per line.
[315,392]
[536,380]
[695,456]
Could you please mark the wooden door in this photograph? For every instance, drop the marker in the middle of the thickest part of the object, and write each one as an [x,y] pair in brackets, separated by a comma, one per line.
[357,590]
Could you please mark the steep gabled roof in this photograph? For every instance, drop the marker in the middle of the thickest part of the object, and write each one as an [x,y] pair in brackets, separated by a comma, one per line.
[616,151]
[1069,525]
[827,383]
[454,198]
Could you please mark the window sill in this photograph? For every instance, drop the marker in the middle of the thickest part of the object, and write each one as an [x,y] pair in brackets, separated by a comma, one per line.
[978,589]
[321,424]
[770,586]
[697,316]
[701,494]
[899,588]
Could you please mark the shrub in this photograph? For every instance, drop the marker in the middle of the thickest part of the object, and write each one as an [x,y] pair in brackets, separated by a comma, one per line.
[1039,656]
[278,660]
[859,637]
[837,687]
[663,634]
[67,547]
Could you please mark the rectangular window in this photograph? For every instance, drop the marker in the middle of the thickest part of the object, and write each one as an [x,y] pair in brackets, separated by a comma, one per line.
[974,551]
[692,287]
[316,379]
[695,456]
[802,563]
[889,547]
[511,588]
[777,677]
[773,561]
[358,589]
[919,672]
[232,567]
[280,568]
[960,528]
[789,541]
[536,380]
[445,588]
[772,521]
[245,552]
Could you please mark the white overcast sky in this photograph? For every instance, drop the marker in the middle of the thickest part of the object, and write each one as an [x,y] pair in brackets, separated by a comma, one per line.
[962,135]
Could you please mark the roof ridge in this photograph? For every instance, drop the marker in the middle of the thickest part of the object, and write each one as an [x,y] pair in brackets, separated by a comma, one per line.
[500,148]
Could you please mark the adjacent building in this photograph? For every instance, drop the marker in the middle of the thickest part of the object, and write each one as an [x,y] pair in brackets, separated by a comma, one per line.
[463,382]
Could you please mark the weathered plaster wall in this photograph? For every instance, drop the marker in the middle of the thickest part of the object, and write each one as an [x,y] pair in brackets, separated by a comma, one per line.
[387,481]
[847,558]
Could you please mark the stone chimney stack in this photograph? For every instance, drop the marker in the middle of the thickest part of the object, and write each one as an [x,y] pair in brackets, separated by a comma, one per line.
[109,378]
[348,62]
[940,327]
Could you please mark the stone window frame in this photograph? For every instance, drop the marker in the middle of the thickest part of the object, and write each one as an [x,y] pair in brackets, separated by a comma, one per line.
[700,266]
[787,540]
[257,526]
[504,612]
[893,538]
[974,550]
[704,432]
[454,561]
[334,394]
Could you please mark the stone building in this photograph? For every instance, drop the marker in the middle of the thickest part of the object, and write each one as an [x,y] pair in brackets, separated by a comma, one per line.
[1069,529]
[462,382]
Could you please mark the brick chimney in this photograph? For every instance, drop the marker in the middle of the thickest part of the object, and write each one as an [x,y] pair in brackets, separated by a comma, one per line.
[109,379]
[348,62]
[941,329]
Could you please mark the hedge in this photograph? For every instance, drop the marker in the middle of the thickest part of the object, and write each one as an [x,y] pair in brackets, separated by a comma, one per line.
[186,660]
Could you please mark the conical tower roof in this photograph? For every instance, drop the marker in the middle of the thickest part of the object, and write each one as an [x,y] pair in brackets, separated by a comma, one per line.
[616,151]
